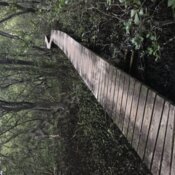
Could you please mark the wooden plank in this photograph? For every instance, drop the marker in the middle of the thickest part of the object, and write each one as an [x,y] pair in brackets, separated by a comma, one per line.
[90,74]
[103,83]
[117,84]
[117,75]
[83,68]
[78,54]
[154,129]
[80,60]
[146,123]
[156,162]
[131,107]
[86,63]
[123,112]
[77,58]
[86,60]
[106,85]
[173,154]
[109,100]
[168,165]
[92,78]
[71,49]
[102,80]
[87,69]
[169,153]
[134,108]
[97,73]
[113,91]
[83,59]
[82,65]
[128,106]
[119,99]
[65,43]
[139,116]
[81,55]
[94,73]
[124,101]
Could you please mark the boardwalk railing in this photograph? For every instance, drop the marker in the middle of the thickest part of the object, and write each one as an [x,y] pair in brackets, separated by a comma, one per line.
[146,119]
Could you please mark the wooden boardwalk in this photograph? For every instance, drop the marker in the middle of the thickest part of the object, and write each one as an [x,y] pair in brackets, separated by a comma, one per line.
[146,119]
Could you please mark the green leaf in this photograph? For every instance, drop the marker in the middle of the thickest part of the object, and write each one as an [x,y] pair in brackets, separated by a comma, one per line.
[171,3]
[141,13]
[109,2]
[133,12]
[121,1]
[136,19]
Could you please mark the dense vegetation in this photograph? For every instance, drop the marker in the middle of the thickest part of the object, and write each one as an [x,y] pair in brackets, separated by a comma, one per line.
[49,122]
[137,36]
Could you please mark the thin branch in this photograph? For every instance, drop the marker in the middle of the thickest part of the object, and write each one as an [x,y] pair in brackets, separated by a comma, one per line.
[4,4]
[13,15]
[7,35]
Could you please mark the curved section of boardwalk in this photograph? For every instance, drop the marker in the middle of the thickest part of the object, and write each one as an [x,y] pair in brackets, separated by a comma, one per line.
[146,119]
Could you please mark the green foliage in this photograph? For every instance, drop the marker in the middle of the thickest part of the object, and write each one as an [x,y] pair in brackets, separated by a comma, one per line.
[171,3]
[154,49]
[137,41]
[29,139]
[135,27]
[109,2]
[43,135]
[130,2]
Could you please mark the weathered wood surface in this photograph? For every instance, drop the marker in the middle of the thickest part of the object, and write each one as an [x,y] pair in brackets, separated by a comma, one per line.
[145,118]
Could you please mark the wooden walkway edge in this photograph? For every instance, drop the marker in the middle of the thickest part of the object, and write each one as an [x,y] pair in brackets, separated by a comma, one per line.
[146,119]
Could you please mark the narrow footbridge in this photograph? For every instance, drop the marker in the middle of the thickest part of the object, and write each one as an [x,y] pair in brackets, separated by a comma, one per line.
[145,118]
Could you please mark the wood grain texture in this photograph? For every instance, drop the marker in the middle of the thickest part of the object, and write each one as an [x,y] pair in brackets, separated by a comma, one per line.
[146,119]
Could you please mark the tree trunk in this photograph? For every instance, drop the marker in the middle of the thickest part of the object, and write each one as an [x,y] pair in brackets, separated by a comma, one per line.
[15,14]
[8,61]
[7,106]
[4,4]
